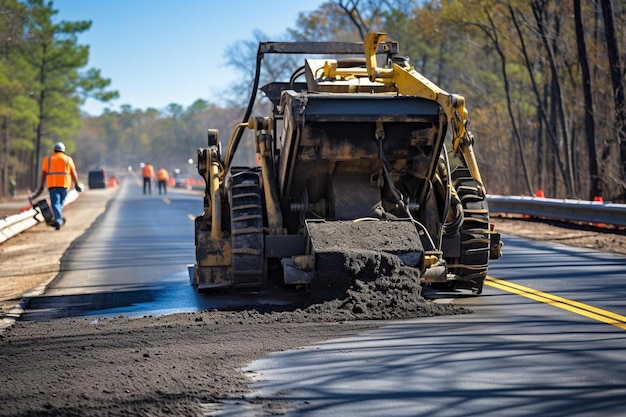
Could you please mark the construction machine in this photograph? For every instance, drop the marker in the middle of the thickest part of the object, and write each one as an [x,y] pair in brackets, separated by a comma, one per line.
[359,154]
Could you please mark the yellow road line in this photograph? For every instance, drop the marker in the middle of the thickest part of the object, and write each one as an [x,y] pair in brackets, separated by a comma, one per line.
[586,310]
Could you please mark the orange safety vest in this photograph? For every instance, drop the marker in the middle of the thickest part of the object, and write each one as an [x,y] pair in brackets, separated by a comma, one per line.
[57,168]
[162,175]
[148,171]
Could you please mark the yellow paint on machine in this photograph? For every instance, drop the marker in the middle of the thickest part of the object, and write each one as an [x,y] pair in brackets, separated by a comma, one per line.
[576,307]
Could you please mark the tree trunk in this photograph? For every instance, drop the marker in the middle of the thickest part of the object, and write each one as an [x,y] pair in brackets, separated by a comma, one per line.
[493,35]
[618,83]
[38,135]
[540,152]
[4,157]
[596,186]
[538,8]
[543,118]
[552,126]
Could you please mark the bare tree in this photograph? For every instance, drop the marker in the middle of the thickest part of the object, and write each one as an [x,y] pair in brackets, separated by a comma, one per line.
[352,11]
[365,17]
[540,103]
[617,78]
[492,33]
[539,9]
[596,186]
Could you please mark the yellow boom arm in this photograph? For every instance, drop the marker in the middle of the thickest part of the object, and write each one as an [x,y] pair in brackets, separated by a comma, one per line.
[410,82]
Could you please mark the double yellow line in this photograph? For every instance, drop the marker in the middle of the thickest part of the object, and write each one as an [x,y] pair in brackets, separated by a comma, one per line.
[576,307]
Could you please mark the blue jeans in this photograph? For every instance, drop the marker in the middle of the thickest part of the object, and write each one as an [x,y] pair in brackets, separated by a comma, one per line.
[57,199]
[147,185]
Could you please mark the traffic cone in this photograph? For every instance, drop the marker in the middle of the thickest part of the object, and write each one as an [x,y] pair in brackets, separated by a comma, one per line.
[598,199]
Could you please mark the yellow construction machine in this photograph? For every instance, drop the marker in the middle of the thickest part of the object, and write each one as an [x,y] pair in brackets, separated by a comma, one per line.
[352,157]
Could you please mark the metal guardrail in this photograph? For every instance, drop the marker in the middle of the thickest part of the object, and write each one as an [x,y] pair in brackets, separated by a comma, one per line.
[13,225]
[17,223]
[609,214]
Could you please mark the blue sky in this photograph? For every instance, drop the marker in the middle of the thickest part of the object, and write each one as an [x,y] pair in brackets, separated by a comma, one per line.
[158,52]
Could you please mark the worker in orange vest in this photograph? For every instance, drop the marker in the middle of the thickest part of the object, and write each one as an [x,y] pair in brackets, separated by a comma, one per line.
[148,175]
[162,177]
[57,173]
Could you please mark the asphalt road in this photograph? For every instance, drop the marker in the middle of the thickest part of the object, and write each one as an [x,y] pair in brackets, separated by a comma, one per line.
[547,338]
[134,262]
[561,352]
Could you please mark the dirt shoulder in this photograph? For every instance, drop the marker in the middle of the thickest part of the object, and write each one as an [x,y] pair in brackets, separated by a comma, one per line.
[30,260]
[584,236]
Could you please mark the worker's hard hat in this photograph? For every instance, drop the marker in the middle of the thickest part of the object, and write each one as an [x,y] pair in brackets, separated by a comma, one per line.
[59,147]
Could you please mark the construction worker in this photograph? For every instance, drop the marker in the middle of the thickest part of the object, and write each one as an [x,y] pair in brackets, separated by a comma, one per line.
[58,172]
[12,187]
[162,177]
[148,174]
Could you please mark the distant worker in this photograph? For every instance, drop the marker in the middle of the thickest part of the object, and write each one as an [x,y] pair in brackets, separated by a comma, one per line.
[148,175]
[12,187]
[58,172]
[162,177]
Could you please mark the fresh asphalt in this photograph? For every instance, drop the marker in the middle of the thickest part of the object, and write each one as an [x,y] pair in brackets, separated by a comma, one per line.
[134,263]
[515,356]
